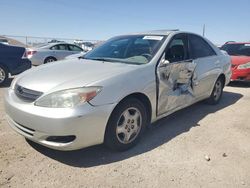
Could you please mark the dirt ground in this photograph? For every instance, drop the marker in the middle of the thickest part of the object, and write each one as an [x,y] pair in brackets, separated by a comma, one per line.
[171,154]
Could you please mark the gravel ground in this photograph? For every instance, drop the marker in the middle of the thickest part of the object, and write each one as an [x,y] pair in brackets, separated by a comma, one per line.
[175,152]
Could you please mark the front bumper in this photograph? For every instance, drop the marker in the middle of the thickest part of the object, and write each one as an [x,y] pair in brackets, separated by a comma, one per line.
[87,123]
[241,74]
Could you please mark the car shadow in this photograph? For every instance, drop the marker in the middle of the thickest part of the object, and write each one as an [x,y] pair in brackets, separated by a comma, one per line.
[160,133]
[242,84]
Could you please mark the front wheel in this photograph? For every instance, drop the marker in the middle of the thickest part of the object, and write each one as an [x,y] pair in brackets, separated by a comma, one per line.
[126,125]
[216,93]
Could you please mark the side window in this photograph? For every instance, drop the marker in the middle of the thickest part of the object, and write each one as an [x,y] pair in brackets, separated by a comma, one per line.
[74,48]
[62,47]
[199,47]
[245,50]
[54,47]
[177,49]
[59,47]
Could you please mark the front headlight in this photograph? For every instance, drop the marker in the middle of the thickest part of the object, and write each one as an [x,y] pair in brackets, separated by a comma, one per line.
[244,66]
[68,98]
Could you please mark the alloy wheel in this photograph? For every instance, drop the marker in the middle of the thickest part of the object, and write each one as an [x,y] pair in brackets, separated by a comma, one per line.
[217,90]
[2,75]
[50,60]
[129,125]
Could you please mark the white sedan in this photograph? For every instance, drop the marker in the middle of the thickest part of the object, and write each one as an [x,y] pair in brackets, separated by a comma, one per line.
[116,90]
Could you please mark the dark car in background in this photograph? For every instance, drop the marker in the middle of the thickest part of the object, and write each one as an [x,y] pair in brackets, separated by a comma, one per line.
[12,61]
[240,58]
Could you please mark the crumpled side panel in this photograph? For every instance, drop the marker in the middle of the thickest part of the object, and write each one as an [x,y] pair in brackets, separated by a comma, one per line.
[175,85]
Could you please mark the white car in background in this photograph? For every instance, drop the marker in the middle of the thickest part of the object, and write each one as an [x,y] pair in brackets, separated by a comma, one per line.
[50,52]
[86,46]
[4,41]
[112,93]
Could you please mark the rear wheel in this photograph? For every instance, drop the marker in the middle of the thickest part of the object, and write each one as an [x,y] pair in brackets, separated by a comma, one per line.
[216,93]
[49,60]
[4,75]
[126,125]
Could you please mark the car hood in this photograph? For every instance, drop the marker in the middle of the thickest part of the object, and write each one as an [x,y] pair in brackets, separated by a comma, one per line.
[237,60]
[70,74]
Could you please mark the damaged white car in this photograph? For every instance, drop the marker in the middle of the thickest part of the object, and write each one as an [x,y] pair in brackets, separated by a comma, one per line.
[112,93]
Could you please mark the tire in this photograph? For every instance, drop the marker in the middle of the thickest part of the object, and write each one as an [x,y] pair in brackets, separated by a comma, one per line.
[126,125]
[216,93]
[4,75]
[49,60]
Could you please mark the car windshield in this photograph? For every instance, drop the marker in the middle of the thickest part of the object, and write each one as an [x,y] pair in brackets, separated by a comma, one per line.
[132,49]
[237,49]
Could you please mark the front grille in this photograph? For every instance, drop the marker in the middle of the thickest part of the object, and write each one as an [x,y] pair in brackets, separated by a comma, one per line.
[27,94]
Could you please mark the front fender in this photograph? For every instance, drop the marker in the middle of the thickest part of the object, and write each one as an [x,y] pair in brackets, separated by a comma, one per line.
[141,80]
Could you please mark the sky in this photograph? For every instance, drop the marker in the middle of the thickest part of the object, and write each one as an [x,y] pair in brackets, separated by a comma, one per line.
[225,20]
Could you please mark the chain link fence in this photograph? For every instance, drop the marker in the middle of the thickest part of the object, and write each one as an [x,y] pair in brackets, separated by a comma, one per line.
[32,41]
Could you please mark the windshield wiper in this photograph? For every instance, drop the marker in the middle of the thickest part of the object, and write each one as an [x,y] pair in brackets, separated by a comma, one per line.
[81,57]
[99,59]
[112,60]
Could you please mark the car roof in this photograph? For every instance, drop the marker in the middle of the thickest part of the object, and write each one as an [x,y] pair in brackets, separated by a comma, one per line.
[156,32]
[237,43]
[48,45]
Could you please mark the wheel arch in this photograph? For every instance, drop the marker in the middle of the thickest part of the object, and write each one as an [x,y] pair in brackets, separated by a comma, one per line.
[223,77]
[4,66]
[142,98]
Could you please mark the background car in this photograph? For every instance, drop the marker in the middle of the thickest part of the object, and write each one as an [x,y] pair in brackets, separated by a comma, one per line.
[240,58]
[112,94]
[86,46]
[4,41]
[13,61]
[51,52]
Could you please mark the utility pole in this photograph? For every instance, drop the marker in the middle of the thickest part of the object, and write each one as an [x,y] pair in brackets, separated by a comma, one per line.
[204,28]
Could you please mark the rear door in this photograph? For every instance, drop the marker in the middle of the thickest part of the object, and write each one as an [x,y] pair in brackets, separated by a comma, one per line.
[175,74]
[207,65]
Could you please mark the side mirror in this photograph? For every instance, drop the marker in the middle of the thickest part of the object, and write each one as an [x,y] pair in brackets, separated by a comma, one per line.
[164,63]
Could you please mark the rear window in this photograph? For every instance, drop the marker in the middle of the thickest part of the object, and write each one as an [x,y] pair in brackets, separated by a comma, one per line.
[59,47]
[237,49]
[74,48]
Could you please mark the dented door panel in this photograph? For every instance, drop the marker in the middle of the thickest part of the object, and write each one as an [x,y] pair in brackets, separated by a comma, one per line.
[206,74]
[175,85]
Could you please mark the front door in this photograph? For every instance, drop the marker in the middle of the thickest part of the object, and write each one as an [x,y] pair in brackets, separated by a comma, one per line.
[175,75]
